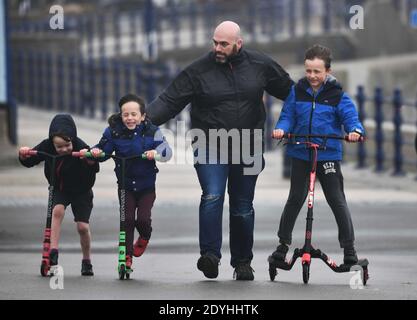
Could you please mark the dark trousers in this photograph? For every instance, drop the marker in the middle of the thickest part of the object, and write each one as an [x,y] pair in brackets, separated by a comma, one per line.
[138,214]
[331,180]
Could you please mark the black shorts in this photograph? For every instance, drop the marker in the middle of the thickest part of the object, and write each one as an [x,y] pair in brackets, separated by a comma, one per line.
[81,203]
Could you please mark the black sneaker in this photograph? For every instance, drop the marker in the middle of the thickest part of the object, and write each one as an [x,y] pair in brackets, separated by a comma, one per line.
[53,257]
[244,271]
[209,265]
[280,253]
[350,256]
[86,268]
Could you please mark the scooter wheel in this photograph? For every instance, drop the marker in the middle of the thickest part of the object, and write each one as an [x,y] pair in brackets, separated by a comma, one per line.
[306,273]
[44,269]
[365,276]
[122,273]
[272,273]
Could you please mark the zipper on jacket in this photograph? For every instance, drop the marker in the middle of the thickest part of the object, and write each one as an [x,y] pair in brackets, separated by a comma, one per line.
[236,93]
[313,107]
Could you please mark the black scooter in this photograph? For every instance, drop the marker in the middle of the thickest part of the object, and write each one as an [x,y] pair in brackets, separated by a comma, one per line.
[308,252]
[45,264]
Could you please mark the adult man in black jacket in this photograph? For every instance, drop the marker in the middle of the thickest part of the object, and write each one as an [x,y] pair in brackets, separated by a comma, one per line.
[225,88]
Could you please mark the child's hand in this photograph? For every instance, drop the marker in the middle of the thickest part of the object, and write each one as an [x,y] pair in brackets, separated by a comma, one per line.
[354,137]
[82,153]
[151,154]
[277,134]
[96,152]
[24,153]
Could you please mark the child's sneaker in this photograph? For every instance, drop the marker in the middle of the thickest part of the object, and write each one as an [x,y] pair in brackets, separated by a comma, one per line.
[86,268]
[350,256]
[53,257]
[139,247]
[280,253]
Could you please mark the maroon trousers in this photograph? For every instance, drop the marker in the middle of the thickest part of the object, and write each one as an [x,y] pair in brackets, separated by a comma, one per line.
[138,214]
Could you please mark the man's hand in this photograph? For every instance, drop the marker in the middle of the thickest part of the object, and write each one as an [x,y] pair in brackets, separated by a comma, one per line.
[277,134]
[24,153]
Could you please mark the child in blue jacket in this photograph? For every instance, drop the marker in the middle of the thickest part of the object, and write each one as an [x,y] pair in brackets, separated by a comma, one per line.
[130,133]
[318,105]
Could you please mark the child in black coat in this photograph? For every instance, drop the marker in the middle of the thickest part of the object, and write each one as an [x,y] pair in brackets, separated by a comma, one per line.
[74,179]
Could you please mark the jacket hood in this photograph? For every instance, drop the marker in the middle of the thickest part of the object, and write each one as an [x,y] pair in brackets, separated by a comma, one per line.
[331,82]
[64,124]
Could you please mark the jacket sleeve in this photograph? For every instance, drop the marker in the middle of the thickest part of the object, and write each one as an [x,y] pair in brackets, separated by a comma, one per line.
[287,117]
[278,80]
[35,160]
[349,116]
[162,147]
[106,144]
[172,101]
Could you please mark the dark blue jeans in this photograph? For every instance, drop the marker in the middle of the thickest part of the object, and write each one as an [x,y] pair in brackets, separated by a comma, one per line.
[241,190]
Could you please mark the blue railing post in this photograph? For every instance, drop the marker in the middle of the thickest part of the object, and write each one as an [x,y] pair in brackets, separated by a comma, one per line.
[327,16]
[398,140]
[379,134]
[104,87]
[127,76]
[81,87]
[292,18]
[306,16]
[361,98]
[71,84]
[60,80]
[117,71]
[49,76]
[132,35]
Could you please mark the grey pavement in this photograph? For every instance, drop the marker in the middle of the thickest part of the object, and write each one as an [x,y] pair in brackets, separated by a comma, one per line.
[383,210]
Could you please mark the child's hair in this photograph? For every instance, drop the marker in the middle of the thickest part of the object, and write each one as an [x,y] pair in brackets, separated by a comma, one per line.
[130,97]
[319,52]
[61,135]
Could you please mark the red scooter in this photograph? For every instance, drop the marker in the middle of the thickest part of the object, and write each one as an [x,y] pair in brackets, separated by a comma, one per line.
[308,252]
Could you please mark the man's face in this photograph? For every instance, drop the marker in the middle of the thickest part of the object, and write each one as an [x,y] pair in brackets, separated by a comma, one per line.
[316,72]
[62,146]
[224,49]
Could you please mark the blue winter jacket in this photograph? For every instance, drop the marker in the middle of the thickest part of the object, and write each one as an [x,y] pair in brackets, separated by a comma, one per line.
[140,173]
[327,112]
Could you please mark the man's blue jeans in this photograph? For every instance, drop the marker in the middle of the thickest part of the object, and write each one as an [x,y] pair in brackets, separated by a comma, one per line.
[241,190]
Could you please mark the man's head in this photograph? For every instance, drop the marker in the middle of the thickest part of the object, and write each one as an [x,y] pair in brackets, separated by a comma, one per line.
[226,41]
[317,63]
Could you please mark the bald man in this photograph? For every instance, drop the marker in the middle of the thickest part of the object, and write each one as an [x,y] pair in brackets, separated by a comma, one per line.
[225,88]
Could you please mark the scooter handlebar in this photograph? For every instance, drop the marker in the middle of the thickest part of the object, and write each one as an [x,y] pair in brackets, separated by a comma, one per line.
[88,154]
[345,138]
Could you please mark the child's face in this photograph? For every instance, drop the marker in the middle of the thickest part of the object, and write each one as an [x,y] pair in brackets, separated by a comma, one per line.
[316,72]
[131,116]
[62,147]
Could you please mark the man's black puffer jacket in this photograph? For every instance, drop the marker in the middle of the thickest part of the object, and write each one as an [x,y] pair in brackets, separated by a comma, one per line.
[226,95]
